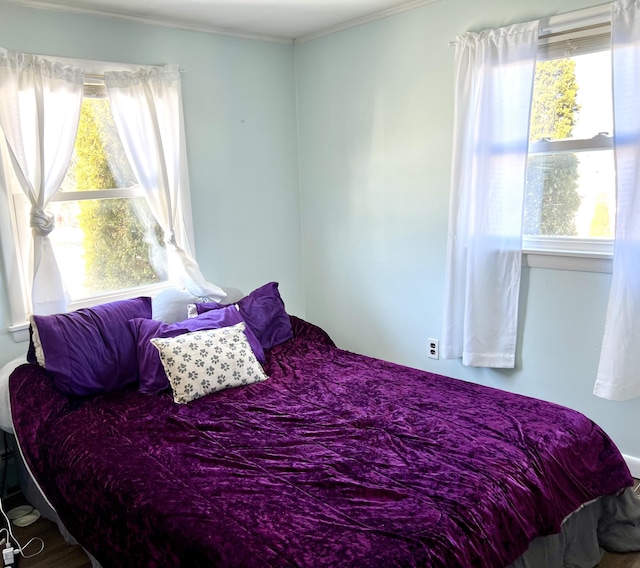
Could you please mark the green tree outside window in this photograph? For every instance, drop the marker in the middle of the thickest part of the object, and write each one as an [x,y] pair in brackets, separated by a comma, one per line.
[118,233]
[551,195]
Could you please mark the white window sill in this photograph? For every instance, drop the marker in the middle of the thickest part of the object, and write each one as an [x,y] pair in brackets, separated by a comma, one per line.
[562,260]
[19,332]
[568,253]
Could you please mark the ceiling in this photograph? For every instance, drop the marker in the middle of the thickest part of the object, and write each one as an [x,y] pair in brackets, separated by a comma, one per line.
[268,19]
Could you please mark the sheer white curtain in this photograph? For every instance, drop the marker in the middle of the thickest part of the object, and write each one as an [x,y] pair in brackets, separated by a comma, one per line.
[147,108]
[40,104]
[494,73]
[619,369]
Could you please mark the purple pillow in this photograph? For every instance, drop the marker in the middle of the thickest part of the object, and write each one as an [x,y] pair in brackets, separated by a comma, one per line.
[153,379]
[263,311]
[89,351]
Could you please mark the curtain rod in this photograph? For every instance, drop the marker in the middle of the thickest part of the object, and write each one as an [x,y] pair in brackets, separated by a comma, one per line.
[549,35]
[100,77]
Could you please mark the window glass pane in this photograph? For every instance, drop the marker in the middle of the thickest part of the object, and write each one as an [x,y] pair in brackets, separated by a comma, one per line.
[99,160]
[571,195]
[105,245]
[593,74]
[572,97]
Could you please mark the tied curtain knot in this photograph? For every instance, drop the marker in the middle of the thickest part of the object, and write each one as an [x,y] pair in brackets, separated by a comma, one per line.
[170,239]
[41,221]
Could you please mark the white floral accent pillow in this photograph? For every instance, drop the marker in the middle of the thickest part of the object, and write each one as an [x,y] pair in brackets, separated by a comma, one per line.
[202,362]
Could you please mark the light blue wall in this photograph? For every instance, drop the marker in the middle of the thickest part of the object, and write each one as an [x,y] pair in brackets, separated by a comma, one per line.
[239,104]
[375,107]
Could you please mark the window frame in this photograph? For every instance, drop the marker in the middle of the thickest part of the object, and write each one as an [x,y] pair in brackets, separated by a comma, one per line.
[590,27]
[15,237]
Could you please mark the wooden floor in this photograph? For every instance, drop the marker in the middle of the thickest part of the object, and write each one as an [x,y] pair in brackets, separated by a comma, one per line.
[58,554]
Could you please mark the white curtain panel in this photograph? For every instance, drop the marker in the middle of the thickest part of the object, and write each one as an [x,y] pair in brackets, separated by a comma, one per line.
[494,73]
[619,370]
[147,108]
[40,104]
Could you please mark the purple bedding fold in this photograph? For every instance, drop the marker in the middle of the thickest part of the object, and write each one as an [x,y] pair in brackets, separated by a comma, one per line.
[336,460]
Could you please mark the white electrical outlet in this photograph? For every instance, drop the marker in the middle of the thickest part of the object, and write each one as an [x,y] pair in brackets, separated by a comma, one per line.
[434,348]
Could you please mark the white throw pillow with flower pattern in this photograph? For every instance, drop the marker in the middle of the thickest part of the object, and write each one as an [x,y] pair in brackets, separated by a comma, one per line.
[202,362]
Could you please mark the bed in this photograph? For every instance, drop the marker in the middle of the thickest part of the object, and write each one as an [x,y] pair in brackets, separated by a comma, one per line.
[336,459]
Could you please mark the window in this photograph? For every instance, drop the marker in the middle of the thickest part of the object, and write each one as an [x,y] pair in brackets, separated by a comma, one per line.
[106,241]
[570,192]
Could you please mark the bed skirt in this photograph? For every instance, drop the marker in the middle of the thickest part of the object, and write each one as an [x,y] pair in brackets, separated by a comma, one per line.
[608,523]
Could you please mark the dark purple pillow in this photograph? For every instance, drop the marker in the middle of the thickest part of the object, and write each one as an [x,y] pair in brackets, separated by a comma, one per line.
[152,376]
[90,351]
[263,311]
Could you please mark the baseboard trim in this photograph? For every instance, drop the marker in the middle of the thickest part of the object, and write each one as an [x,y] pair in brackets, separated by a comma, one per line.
[634,465]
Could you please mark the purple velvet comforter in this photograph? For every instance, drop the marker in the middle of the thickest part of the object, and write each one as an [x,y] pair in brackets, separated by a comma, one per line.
[337,460]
